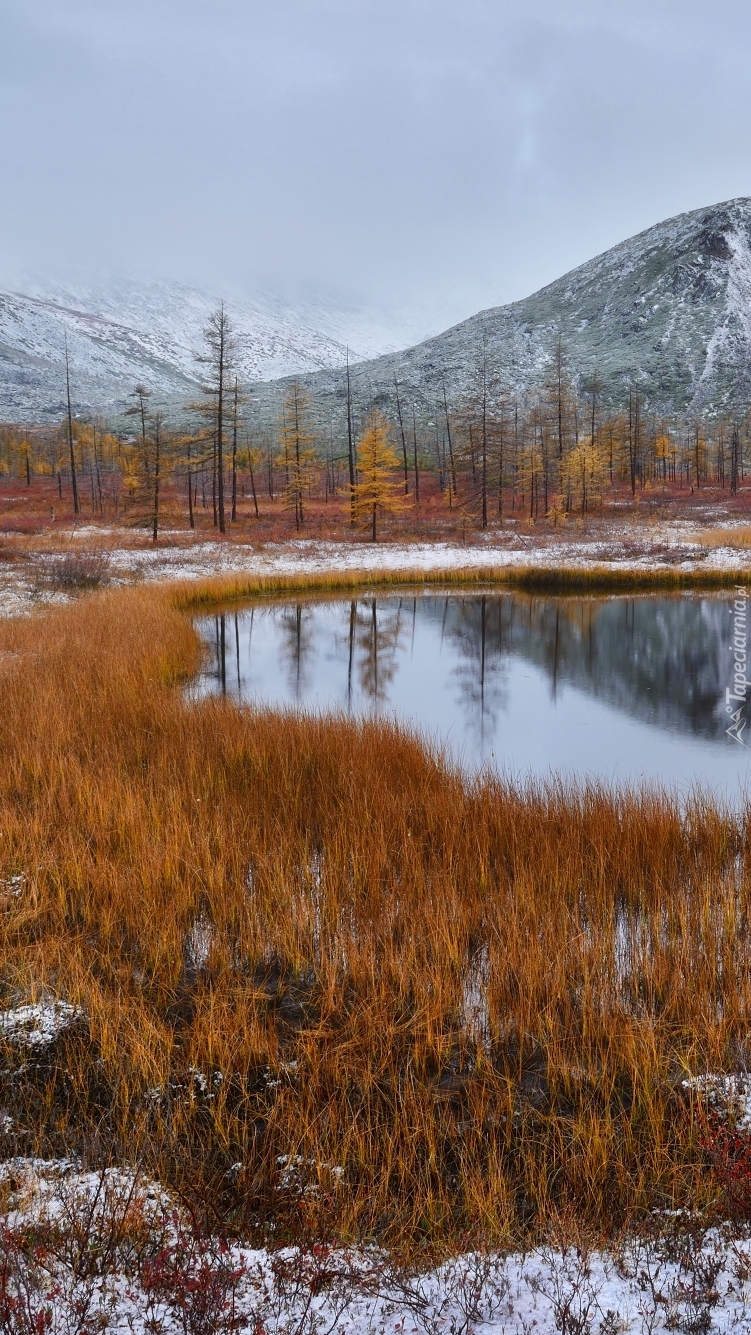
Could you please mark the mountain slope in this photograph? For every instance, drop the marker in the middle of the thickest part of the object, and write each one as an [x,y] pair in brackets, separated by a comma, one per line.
[128,332]
[668,311]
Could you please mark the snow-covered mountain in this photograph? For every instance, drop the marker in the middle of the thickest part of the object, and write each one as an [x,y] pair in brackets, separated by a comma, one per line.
[668,311]
[126,332]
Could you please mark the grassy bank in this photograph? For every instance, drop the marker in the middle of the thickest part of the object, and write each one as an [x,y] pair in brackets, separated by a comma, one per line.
[564,579]
[329,984]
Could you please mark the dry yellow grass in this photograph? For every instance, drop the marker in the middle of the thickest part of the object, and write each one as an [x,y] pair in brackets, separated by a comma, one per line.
[477,1003]
[591,578]
[737,536]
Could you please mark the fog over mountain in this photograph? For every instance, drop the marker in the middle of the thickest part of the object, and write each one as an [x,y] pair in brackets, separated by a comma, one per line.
[124,332]
[667,312]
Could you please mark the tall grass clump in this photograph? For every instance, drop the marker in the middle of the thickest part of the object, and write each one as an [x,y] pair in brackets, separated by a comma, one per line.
[561,579]
[327,984]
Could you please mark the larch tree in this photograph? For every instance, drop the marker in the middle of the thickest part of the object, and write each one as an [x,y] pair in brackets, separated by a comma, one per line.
[73,479]
[151,453]
[404,440]
[237,399]
[157,424]
[140,409]
[377,491]
[350,447]
[299,457]
[480,414]
[414,447]
[452,465]
[559,390]
[219,361]
[254,460]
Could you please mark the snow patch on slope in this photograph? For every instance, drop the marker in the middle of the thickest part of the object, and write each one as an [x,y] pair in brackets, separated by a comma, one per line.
[126,332]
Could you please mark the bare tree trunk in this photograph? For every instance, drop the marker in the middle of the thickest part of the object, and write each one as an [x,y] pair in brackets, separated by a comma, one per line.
[157,460]
[448,436]
[298,466]
[559,369]
[190,492]
[631,450]
[350,448]
[219,418]
[270,472]
[404,443]
[252,479]
[234,458]
[484,472]
[74,482]
[98,474]
[438,457]
[636,438]
[414,442]
[500,462]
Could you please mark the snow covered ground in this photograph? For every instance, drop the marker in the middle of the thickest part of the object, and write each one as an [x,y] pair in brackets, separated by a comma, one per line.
[146,1271]
[37,1025]
[670,547]
[84,1250]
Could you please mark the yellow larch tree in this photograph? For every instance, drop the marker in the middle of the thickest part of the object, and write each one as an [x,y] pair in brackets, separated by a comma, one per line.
[298,456]
[378,488]
[584,472]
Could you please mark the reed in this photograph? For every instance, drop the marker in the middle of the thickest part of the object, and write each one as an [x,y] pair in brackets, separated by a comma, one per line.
[191,596]
[332,985]
[739,536]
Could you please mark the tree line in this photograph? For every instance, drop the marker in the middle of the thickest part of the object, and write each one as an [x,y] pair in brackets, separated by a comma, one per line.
[488,452]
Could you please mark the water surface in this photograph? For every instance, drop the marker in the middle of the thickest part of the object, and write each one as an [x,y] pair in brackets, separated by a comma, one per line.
[618,688]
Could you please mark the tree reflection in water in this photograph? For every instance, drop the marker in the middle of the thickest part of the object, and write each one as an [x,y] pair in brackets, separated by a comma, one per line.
[663,660]
[297,645]
[374,638]
[474,626]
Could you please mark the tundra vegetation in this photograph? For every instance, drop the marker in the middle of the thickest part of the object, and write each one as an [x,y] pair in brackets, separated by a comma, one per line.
[323,987]
[320,984]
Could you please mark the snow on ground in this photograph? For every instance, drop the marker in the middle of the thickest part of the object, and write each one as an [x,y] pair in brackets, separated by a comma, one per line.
[44,1191]
[306,557]
[37,1025]
[672,545]
[22,585]
[674,1277]
[728,1096]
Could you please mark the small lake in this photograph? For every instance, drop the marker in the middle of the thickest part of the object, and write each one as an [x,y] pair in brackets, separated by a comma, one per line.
[616,688]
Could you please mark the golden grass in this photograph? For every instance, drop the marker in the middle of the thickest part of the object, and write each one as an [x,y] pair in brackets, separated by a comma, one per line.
[476,1002]
[193,595]
[737,536]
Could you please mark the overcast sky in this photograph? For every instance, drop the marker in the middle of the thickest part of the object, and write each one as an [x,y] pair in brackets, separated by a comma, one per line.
[442,155]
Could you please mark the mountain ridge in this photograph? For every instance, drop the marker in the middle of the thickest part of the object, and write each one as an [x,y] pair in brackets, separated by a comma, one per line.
[129,332]
[666,312]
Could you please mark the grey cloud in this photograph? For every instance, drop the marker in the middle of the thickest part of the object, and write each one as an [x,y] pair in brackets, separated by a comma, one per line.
[444,154]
